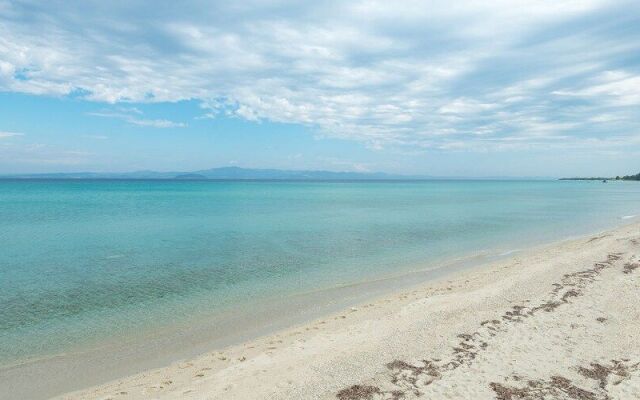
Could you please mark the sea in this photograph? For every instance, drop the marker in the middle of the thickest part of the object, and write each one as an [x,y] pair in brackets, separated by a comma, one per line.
[126,274]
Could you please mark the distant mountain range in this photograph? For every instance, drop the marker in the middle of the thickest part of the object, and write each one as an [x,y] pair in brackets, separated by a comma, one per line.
[224,173]
[238,173]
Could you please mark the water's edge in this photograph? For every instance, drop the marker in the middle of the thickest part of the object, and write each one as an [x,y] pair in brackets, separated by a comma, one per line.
[64,373]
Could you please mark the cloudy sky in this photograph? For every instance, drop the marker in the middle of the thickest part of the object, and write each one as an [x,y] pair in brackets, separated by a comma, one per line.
[448,88]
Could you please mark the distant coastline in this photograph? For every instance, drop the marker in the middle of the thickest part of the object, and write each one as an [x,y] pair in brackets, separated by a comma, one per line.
[251,174]
[223,173]
[635,177]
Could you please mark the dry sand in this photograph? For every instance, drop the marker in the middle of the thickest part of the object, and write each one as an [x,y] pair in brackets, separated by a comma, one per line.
[557,322]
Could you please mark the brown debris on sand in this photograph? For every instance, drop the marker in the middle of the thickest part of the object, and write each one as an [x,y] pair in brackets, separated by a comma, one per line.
[411,378]
[554,388]
[561,387]
[601,372]
[359,392]
[630,267]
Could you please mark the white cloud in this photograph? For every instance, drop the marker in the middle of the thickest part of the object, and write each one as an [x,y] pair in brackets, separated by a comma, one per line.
[157,123]
[129,115]
[618,88]
[4,135]
[40,153]
[97,137]
[436,74]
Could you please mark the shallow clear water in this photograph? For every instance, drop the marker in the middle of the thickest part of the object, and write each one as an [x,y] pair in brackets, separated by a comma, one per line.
[87,261]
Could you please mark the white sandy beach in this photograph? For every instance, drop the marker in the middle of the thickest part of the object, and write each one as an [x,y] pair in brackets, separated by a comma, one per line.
[557,322]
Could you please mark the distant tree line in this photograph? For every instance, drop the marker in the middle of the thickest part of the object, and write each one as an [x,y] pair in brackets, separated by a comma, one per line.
[635,177]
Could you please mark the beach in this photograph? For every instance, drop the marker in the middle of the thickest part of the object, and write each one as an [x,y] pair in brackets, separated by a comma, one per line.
[557,321]
[319,200]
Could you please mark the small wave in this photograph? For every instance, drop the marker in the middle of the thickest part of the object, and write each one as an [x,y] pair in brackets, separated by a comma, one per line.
[628,216]
[114,256]
[508,252]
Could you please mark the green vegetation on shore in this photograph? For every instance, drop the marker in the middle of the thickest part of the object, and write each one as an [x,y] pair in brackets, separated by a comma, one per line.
[635,177]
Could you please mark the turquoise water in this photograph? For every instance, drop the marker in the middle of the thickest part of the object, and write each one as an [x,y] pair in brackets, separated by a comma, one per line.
[82,262]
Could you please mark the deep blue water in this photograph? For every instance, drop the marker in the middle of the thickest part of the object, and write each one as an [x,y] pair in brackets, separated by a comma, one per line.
[84,261]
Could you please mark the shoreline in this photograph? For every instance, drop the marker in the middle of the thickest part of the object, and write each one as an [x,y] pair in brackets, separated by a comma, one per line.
[361,331]
[236,355]
[331,299]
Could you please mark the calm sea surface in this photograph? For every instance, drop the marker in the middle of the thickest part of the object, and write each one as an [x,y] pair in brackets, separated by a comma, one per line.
[84,262]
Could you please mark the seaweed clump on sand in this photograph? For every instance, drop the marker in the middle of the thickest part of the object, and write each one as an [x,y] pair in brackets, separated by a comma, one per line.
[556,387]
[358,392]
[629,268]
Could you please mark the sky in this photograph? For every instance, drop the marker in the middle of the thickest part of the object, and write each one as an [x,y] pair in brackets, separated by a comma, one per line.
[441,88]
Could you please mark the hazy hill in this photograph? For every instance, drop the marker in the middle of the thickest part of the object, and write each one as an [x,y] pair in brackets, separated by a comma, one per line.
[224,173]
